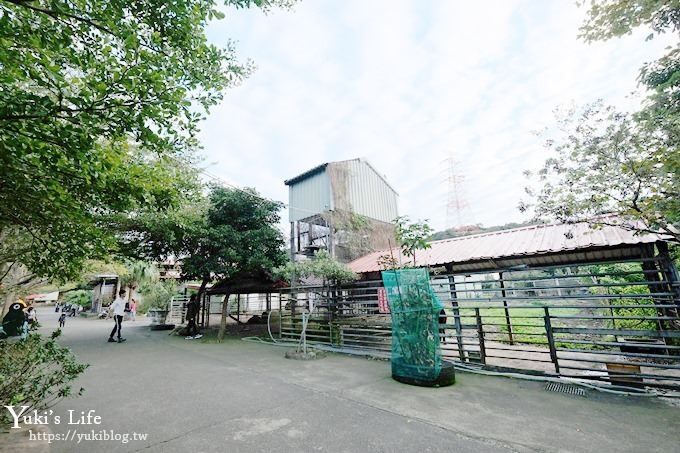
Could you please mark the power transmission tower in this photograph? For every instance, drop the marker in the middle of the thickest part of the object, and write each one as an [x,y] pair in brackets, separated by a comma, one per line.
[456,202]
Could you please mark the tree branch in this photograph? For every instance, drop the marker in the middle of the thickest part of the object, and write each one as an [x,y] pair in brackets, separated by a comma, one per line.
[59,14]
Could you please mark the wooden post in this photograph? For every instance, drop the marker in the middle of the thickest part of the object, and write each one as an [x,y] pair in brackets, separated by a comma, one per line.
[551,339]
[238,308]
[653,279]
[456,317]
[480,335]
[505,308]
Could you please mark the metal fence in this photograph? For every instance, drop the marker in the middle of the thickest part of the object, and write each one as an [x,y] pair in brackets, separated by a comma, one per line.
[614,322]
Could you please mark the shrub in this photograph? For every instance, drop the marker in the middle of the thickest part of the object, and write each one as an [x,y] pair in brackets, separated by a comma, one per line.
[36,373]
[157,295]
[80,297]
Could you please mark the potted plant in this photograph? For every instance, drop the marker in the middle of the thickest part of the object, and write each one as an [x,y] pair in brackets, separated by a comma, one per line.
[156,302]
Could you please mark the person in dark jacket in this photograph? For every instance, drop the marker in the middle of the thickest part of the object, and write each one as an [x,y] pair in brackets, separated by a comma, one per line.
[192,313]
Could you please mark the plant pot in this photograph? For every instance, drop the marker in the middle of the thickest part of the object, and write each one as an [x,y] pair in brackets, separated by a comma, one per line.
[446,376]
[158,316]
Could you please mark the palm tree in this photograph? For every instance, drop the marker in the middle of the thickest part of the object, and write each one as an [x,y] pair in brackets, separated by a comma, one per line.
[138,272]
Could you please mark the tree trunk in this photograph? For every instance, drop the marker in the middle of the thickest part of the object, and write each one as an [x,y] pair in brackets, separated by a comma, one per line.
[15,278]
[199,296]
[223,320]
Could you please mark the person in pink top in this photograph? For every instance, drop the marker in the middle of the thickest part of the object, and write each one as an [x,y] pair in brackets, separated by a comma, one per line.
[133,309]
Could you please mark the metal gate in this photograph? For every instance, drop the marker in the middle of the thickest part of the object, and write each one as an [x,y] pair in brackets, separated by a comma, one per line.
[612,322]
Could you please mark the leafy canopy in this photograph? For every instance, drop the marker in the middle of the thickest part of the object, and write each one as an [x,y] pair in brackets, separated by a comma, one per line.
[237,234]
[99,109]
[609,162]
[321,266]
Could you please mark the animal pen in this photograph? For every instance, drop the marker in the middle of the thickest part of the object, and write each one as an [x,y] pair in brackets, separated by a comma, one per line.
[605,309]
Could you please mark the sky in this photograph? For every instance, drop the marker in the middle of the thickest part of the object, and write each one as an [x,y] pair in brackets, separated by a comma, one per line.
[422,89]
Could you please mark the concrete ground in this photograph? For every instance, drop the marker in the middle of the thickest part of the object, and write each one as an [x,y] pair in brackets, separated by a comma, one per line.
[240,396]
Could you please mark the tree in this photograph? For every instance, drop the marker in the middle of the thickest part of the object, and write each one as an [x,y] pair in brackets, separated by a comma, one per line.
[615,18]
[237,235]
[468,230]
[99,102]
[412,236]
[138,273]
[332,274]
[609,162]
[322,266]
[153,234]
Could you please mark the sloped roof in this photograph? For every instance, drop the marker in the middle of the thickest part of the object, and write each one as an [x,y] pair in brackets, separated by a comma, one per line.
[54,295]
[259,281]
[306,174]
[534,245]
[322,167]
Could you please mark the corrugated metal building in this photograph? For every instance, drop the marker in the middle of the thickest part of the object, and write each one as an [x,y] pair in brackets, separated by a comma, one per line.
[346,207]
[536,245]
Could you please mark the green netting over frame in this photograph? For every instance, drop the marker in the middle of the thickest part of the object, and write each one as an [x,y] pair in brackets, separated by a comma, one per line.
[415,324]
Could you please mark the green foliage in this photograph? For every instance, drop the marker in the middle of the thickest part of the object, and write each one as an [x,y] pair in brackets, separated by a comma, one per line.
[137,273]
[633,313]
[238,234]
[618,275]
[612,162]
[36,373]
[157,295]
[153,235]
[476,229]
[609,162]
[79,297]
[100,103]
[612,18]
[412,236]
[353,223]
[322,266]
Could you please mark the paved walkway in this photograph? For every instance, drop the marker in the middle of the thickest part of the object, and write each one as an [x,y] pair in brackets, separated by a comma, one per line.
[242,396]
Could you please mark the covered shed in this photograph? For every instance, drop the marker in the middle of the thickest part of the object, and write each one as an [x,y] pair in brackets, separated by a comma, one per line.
[254,292]
[50,297]
[531,246]
[104,290]
[559,299]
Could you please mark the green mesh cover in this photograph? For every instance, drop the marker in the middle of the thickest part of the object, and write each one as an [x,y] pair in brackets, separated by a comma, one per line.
[415,324]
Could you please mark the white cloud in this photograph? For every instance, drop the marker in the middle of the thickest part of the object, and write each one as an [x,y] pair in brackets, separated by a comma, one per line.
[406,84]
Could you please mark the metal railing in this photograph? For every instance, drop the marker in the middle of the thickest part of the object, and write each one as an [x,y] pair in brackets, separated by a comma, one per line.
[620,326]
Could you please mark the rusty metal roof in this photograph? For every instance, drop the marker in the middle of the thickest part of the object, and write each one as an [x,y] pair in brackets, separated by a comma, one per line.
[545,244]
[306,174]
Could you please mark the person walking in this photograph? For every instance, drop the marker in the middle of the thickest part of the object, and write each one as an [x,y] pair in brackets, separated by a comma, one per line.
[62,320]
[118,309]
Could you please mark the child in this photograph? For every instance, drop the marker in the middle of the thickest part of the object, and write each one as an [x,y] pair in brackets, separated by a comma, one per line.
[62,320]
